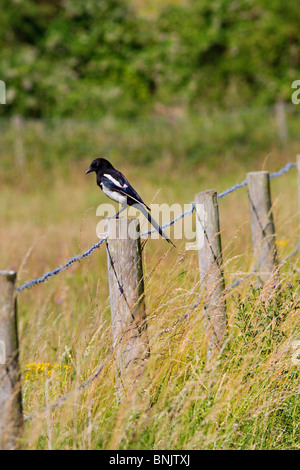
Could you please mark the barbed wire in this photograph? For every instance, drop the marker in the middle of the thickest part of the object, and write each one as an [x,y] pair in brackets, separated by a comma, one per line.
[233,188]
[283,170]
[61,268]
[280,172]
[172,222]
[87,253]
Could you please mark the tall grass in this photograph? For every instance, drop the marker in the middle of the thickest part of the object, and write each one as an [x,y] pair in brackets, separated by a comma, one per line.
[248,398]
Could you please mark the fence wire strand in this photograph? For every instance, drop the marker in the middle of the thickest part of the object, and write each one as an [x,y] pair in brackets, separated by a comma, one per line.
[61,268]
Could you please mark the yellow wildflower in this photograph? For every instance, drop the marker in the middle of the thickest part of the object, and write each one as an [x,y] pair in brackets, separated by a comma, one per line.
[34,369]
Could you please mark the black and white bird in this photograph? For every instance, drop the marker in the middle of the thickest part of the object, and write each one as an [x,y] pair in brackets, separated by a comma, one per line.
[114,184]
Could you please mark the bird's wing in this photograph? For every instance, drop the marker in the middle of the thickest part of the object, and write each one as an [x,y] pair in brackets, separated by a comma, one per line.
[116,181]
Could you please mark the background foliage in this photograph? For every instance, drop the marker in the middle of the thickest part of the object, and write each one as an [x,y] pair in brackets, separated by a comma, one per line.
[88,58]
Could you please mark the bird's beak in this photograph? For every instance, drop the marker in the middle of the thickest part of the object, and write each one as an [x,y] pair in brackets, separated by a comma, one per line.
[89,170]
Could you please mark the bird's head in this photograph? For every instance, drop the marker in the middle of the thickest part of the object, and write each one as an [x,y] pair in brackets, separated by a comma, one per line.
[99,164]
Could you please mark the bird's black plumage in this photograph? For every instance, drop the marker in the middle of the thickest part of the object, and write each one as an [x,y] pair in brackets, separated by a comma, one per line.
[114,184]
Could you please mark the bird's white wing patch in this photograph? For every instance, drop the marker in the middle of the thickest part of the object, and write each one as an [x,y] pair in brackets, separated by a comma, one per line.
[116,182]
[114,195]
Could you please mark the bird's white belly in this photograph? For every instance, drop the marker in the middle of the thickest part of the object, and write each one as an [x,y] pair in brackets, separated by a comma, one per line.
[114,195]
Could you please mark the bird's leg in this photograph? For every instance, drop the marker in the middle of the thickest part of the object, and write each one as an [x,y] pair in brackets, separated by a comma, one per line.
[116,216]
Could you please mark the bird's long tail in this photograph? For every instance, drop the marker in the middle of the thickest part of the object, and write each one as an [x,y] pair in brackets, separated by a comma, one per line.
[153,222]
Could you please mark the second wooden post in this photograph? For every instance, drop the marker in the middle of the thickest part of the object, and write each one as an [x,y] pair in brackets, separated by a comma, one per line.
[211,270]
[128,314]
[298,173]
[262,225]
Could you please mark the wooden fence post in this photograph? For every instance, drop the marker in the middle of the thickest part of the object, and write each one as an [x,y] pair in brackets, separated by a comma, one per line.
[20,157]
[298,172]
[280,114]
[10,387]
[262,225]
[211,270]
[128,314]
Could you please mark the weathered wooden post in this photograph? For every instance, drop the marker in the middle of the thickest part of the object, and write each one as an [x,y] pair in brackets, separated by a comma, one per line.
[211,270]
[20,157]
[128,314]
[262,225]
[298,172]
[281,121]
[10,387]
[2,92]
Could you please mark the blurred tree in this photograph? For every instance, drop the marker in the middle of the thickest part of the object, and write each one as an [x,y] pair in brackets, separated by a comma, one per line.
[92,57]
[233,53]
[74,57]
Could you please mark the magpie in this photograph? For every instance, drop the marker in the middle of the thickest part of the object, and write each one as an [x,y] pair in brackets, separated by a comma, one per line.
[114,185]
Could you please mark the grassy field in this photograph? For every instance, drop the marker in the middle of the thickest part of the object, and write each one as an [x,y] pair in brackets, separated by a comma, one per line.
[249,398]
